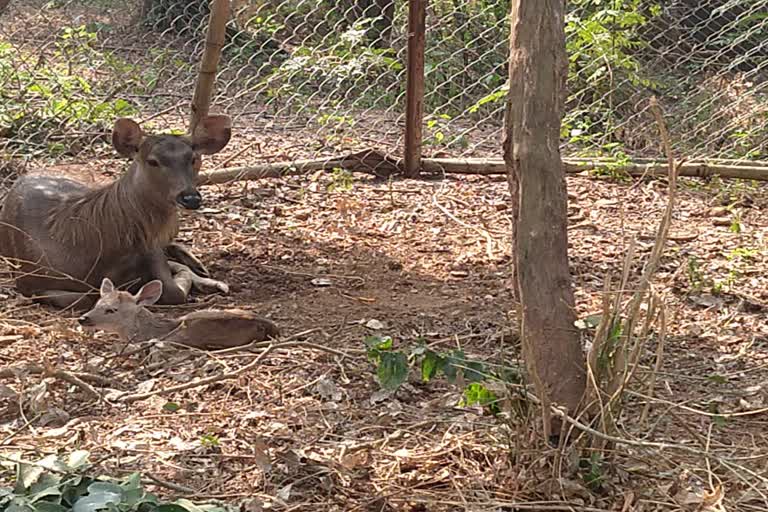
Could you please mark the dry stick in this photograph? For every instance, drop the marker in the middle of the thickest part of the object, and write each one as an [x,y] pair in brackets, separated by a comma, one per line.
[169,485]
[659,360]
[76,378]
[620,381]
[197,383]
[642,444]
[218,378]
[476,166]
[481,232]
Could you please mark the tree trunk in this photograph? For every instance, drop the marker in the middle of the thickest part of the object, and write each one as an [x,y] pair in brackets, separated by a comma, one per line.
[537,73]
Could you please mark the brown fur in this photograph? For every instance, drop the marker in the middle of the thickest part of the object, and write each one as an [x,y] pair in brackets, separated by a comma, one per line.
[65,237]
[146,225]
[124,314]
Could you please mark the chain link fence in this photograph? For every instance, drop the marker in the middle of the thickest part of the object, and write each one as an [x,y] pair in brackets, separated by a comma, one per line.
[316,78]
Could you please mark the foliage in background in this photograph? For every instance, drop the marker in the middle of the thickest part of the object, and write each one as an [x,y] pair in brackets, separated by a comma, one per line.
[50,98]
[317,59]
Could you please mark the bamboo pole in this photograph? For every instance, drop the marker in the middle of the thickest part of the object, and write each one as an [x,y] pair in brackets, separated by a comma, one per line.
[214,43]
[414,108]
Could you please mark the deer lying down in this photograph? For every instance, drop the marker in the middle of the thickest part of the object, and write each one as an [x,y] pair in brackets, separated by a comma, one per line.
[125,314]
[63,237]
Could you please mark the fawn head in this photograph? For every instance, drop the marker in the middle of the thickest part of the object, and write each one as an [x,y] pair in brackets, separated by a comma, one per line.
[117,309]
[168,165]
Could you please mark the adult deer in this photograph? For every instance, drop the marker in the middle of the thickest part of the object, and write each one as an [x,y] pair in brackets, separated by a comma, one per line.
[63,238]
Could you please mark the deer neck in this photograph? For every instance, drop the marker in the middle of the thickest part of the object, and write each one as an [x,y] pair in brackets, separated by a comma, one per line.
[147,326]
[126,214]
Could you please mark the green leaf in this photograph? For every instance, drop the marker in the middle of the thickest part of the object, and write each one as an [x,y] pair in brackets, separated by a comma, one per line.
[19,505]
[46,485]
[188,505]
[47,506]
[97,501]
[430,365]
[474,371]
[393,369]
[171,507]
[100,496]
[717,379]
[477,394]
[171,407]
[26,475]
[378,342]
[77,459]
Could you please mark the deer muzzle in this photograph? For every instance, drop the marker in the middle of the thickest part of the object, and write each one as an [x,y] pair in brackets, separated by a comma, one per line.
[190,199]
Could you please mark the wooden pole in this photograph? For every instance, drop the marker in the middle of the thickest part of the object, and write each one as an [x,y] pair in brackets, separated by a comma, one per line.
[214,42]
[414,109]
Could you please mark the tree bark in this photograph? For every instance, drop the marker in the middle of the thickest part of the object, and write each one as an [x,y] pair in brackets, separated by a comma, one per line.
[537,72]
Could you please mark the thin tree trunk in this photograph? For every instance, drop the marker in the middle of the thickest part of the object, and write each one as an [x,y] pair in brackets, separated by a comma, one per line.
[537,73]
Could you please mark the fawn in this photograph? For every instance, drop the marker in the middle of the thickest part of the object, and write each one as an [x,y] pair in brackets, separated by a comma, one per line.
[125,314]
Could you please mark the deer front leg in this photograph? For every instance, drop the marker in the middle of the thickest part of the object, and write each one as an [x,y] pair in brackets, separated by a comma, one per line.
[179,253]
[176,286]
[201,284]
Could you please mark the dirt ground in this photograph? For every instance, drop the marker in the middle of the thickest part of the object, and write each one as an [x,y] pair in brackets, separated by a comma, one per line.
[426,259]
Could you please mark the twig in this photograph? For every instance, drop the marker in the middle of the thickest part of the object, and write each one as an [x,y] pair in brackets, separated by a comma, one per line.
[200,382]
[481,232]
[76,378]
[169,485]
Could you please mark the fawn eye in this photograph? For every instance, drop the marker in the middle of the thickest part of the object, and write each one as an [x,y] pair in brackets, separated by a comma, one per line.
[152,162]
[110,311]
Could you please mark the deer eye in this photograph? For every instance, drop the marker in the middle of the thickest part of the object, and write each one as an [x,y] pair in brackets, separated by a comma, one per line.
[110,311]
[152,162]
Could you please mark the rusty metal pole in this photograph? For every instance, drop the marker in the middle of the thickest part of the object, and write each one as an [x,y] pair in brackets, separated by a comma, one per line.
[214,43]
[414,109]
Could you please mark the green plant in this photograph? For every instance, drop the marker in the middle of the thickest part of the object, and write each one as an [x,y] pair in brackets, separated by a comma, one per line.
[695,274]
[602,41]
[50,99]
[210,441]
[341,180]
[593,472]
[56,484]
[393,367]
[334,65]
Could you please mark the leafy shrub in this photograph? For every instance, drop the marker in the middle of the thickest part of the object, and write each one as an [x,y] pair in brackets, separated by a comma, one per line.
[55,484]
[394,366]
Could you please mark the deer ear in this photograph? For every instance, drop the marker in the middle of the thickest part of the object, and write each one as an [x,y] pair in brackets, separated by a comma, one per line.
[212,133]
[149,293]
[106,287]
[126,137]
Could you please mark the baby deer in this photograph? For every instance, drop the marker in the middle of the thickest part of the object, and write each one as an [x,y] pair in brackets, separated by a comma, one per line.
[125,314]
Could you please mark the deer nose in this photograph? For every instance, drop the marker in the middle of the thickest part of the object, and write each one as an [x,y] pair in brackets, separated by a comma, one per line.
[190,200]
[84,320]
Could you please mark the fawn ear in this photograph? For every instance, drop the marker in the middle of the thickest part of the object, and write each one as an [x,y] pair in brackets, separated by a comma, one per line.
[106,287]
[127,137]
[149,293]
